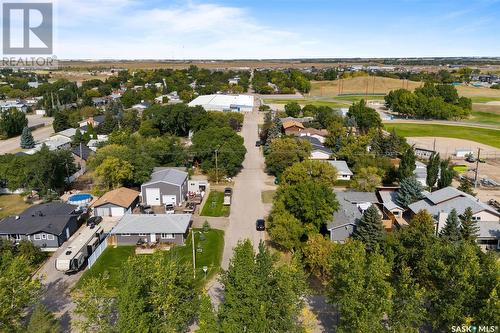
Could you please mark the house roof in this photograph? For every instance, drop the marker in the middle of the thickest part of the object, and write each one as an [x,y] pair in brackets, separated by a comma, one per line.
[122,196]
[349,212]
[168,175]
[316,144]
[82,151]
[147,223]
[292,123]
[389,200]
[489,229]
[69,132]
[300,120]
[50,217]
[314,131]
[341,167]
[448,198]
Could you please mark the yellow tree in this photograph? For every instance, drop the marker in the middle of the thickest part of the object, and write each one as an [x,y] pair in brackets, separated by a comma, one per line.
[113,172]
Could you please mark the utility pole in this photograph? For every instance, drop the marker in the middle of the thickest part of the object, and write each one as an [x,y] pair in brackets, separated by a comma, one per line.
[434,146]
[477,166]
[217,166]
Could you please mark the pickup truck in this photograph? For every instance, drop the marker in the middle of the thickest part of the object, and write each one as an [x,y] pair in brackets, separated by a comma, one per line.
[227,200]
[228,192]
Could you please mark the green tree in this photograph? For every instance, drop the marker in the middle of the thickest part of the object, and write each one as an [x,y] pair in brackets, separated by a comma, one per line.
[95,305]
[284,229]
[446,174]
[43,321]
[109,124]
[451,229]
[309,170]
[367,179]
[407,164]
[12,122]
[409,192]
[360,288]
[317,256]
[207,318]
[432,170]
[78,138]
[113,172]
[466,186]
[369,229]
[284,152]
[27,140]
[61,121]
[366,117]
[468,226]
[292,109]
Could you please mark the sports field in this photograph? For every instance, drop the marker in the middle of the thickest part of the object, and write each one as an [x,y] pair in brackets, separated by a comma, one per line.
[485,136]
[314,102]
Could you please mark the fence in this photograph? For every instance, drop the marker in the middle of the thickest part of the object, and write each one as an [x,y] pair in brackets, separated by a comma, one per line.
[98,251]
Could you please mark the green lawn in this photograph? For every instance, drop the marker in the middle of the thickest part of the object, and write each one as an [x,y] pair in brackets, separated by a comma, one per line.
[268,196]
[11,204]
[113,259]
[214,206]
[483,117]
[482,135]
[334,105]
[484,99]
[460,168]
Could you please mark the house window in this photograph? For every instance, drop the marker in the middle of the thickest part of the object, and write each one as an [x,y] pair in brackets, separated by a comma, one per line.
[476,218]
[44,236]
[167,236]
[142,234]
[126,235]
[50,237]
[18,237]
[37,237]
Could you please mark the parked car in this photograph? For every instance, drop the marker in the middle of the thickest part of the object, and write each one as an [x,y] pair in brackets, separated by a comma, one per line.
[258,143]
[470,158]
[94,220]
[260,225]
[169,208]
[228,191]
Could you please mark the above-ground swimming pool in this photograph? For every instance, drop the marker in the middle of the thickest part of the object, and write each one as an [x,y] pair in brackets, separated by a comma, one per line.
[80,199]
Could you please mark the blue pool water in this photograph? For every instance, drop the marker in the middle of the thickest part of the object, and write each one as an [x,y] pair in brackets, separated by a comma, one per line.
[80,198]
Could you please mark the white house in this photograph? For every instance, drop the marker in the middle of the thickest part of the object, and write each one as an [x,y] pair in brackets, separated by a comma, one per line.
[343,171]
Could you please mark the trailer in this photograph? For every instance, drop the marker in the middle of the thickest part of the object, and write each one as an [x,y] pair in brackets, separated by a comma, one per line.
[74,256]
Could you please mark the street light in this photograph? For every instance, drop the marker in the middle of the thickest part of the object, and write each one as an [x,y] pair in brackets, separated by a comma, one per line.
[193,238]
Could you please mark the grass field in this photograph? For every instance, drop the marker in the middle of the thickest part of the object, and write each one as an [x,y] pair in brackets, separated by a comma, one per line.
[482,135]
[460,168]
[214,206]
[303,102]
[11,204]
[486,108]
[357,98]
[113,259]
[268,196]
[483,117]
[382,85]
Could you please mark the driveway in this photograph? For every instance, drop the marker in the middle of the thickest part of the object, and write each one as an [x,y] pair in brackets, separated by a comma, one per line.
[247,205]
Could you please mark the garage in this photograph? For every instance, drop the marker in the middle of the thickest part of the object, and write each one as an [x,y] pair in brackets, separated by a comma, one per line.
[153,196]
[169,199]
[116,203]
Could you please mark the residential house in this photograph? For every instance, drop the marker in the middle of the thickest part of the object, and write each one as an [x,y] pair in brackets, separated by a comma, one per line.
[318,151]
[117,202]
[301,120]
[440,203]
[352,206]
[94,144]
[314,133]
[141,106]
[81,154]
[47,225]
[19,105]
[343,171]
[167,186]
[420,173]
[292,127]
[147,228]
[94,120]
[488,237]
[390,208]
[55,142]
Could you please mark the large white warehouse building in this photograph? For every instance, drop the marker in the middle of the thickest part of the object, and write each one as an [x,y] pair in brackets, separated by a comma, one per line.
[234,103]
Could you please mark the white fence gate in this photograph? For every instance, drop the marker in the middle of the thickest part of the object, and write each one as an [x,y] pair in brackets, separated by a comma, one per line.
[98,251]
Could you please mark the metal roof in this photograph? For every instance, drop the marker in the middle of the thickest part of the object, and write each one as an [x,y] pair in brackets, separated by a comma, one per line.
[349,212]
[147,223]
[168,175]
[341,167]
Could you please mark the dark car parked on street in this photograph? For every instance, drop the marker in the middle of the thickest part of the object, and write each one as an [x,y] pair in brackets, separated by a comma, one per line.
[260,225]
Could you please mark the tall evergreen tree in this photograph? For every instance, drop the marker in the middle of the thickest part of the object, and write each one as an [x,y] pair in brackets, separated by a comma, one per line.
[432,170]
[468,227]
[409,192]
[78,137]
[61,121]
[207,318]
[407,164]
[466,187]
[27,140]
[451,229]
[370,229]
[446,174]
[43,321]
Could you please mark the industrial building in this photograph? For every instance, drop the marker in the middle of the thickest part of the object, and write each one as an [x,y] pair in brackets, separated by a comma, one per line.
[225,103]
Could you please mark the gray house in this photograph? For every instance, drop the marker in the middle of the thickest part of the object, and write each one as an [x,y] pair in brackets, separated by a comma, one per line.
[46,226]
[167,186]
[147,228]
[352,207]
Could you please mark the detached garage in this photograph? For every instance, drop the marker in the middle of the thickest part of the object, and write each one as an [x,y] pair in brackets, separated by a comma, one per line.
[116,203]
[167,186]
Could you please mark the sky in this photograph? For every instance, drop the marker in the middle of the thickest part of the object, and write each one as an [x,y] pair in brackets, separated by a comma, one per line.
[272,29]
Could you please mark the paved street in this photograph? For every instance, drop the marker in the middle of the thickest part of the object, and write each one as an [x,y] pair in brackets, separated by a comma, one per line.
[12,145]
